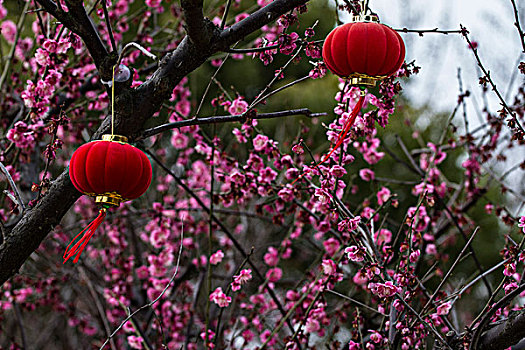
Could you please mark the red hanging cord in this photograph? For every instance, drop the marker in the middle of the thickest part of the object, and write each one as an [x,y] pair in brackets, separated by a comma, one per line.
[86,234]
[346,128]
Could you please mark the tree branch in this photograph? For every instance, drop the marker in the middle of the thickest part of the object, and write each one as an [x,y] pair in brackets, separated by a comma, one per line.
[34,226]
[257,19]
[504,335]
[423,31]
[149,96]
[133,107]
[518,26]
[195,22]
[492,84]
[226,119]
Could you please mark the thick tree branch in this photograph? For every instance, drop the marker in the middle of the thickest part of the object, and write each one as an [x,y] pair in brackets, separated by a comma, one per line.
[132,109]
[34,226]
[505,334]
[187,57]
[509,333]
[195,22]
[256,20]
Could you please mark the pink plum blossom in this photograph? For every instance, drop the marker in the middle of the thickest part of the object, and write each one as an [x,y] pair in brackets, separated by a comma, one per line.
[216,257]
[238,106]
[355,253]
[219,298]
[260,142]
[243,277]
[135,342]
[444,308]
[8,30]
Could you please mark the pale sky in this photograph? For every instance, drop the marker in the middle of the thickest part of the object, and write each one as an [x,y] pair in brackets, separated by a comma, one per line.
[490,23]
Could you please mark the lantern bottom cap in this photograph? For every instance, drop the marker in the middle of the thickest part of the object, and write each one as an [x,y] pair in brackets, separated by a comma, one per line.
[363,79]
[112,199]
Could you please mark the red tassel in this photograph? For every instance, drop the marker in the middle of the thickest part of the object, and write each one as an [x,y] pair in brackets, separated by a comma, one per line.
[86,234]
[340,138]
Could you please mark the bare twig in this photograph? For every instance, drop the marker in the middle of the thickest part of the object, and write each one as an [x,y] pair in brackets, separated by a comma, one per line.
[260,96]
[253,49]
[478,277]
[18,316]
[98,305]
[290,84]
[209,85]
[225,15]
[356,302]
[518,26]
[13,186]
[424,31]
[108,25]
[138,47]
[226,119]
[210,234]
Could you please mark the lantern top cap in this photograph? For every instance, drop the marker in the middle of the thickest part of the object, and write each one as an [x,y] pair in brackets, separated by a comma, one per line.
[116,138]
[365,18]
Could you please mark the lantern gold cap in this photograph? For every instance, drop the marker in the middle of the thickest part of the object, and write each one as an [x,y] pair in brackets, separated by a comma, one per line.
[365,18]
[115,138]
[111,198]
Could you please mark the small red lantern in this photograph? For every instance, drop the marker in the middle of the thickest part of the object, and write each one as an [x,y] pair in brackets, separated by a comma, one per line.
[110,170]
[363,52]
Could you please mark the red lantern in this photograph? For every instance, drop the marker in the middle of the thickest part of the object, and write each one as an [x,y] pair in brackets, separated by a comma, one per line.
[110,170]
[364,52]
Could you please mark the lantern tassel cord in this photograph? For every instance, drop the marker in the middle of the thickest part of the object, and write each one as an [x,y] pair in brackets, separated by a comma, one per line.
[340,138]
[85,235]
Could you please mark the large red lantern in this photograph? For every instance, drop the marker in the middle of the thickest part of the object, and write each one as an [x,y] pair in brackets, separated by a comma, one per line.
[363,52]
[110,170]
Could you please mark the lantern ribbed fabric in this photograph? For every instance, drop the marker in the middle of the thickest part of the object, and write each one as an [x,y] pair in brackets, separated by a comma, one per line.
[101,167]
[367,48]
